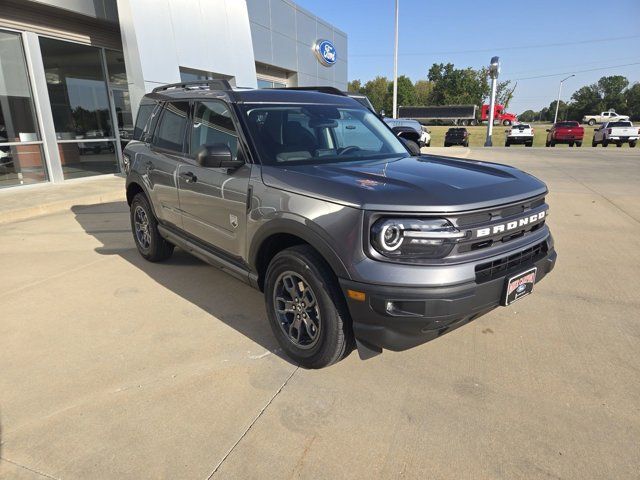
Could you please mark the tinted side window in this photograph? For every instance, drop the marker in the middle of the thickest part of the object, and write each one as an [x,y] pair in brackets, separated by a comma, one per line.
[144,112]
[169,133]
[212,123]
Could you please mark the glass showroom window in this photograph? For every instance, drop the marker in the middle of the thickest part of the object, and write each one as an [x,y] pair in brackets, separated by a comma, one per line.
[21,157]
[79,99]
[120,89]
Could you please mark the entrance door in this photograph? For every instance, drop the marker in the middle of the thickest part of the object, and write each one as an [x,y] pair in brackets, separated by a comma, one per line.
[213,200]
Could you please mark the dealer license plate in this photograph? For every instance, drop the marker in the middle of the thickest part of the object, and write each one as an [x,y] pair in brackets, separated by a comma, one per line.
[519,286]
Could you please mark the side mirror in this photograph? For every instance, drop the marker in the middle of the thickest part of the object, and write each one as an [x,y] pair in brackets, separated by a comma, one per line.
[217,155]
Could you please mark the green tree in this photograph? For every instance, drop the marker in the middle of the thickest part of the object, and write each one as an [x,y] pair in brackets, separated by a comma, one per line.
[457,86]
[562,110]
[528,116]
[611,90]
[354,86]
[378,91]
[504,93]
[423,89]
[585,101]
[406,93]
[632,96]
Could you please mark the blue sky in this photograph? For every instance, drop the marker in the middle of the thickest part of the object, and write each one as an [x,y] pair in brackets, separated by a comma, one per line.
[532,38]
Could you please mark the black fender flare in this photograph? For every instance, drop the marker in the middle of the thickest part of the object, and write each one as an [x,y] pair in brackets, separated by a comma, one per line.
[303,229]
[137,179]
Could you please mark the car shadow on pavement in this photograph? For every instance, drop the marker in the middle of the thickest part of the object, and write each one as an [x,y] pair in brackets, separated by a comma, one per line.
[217,293]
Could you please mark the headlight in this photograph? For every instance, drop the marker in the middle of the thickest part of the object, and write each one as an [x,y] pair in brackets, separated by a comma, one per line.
[412,238]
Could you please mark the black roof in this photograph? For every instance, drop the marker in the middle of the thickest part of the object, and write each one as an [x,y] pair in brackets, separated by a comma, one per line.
[222,89]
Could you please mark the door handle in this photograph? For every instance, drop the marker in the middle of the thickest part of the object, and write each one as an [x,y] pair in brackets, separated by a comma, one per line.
[149,166]
[189,177]
[350,127]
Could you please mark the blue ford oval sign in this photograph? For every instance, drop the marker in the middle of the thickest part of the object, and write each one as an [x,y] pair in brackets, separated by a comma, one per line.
[326,52]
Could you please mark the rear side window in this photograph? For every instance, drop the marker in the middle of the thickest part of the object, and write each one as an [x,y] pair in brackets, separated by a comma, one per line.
[212,123]
[169,134]
[144,112]
[620,124]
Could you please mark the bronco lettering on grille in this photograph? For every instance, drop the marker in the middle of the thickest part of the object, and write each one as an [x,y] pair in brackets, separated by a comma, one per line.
[514,225]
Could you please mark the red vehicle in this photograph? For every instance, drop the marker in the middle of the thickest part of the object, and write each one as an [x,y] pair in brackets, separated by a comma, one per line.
[499,115]
[565,132]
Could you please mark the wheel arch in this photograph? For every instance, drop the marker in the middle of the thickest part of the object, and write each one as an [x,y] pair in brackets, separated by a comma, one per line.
[280,234]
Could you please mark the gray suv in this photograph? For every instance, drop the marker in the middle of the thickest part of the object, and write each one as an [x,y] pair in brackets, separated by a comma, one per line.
[309,197]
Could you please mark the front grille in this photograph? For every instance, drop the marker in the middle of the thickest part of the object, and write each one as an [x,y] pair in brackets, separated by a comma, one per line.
[505,265]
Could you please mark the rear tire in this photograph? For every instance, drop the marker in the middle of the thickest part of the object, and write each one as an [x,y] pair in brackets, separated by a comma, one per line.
[306,309]
[605,143]
[632,144]
[446,144]
[530,144]
[591,122]
[466,144]
[594,143]
[144,226]
[619,145]
[570,144]
[473,123]
[578,144]
[507,144]
[552,143]
[547,144]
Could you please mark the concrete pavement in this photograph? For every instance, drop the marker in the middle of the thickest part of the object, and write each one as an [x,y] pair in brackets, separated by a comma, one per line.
[112,367]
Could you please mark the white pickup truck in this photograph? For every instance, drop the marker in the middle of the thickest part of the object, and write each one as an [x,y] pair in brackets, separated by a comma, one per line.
[520,133]
[616,132]
[604,117]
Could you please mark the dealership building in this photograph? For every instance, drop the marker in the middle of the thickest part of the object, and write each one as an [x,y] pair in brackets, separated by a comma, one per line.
[72,72]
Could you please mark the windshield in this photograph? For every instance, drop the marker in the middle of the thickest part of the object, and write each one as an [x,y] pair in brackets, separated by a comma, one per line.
[318,134]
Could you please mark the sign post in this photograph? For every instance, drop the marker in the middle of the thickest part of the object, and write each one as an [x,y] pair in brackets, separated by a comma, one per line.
[494,71]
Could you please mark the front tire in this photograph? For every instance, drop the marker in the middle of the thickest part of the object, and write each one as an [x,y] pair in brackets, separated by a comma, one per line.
[591,122]
[144,225]
[632,144]
[578,144]
[306,309]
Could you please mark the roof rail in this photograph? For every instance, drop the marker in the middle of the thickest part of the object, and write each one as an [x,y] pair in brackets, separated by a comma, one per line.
[216,84]
[321,89]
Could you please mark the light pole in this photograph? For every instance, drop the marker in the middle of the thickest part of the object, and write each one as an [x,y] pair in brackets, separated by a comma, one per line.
[395,68]
[494,71]
[555,118]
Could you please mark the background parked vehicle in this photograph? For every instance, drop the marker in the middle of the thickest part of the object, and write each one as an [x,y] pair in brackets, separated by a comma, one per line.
[456,136]
[608,116]
[424,135]
[565,132]
[616,132]
[458,114]
[520,134]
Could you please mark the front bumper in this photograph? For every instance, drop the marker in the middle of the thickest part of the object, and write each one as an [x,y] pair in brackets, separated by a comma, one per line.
[420,314]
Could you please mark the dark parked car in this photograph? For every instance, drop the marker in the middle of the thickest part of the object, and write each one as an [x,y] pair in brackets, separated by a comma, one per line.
[310,198]
[456,136]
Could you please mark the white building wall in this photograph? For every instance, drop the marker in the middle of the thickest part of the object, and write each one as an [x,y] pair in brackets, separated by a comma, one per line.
[283,36]
[160,36]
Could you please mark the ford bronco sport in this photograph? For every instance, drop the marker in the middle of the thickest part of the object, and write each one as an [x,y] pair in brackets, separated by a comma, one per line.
[309,197]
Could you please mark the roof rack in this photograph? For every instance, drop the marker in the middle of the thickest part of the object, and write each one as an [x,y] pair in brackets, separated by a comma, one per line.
[216,84]
[321,89]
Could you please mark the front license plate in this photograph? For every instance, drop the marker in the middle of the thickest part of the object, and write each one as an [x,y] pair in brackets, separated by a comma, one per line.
[519,286]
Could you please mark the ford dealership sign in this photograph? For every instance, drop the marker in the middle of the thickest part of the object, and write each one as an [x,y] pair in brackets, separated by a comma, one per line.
[326,52]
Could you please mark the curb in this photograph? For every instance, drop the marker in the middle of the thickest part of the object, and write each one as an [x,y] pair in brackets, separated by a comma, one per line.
[59,206]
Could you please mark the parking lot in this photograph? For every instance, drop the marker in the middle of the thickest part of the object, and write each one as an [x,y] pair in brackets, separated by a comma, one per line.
[112,367]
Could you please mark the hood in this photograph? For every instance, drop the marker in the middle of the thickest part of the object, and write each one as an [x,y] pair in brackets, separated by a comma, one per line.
[410,184]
